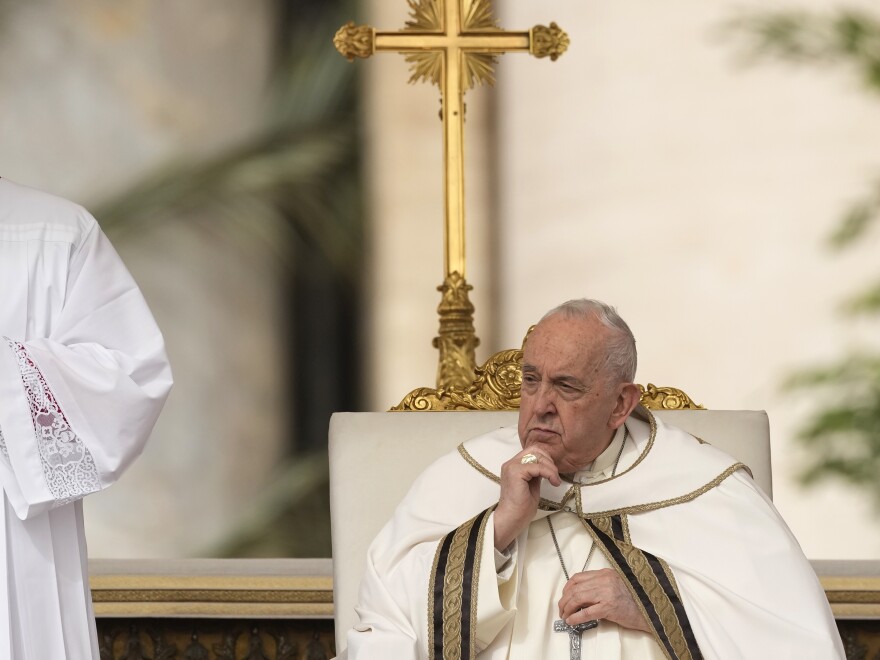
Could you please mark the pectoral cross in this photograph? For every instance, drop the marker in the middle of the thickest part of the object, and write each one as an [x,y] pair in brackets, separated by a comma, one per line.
[574,635]
[452,44]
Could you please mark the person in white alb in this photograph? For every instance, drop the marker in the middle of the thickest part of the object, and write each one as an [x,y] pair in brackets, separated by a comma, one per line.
[592,531]
[83,376]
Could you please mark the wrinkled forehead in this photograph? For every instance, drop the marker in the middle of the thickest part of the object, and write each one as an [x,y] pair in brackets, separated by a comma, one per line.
[568,344]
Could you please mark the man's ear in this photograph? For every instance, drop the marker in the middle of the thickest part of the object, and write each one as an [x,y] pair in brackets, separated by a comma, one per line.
[627,400]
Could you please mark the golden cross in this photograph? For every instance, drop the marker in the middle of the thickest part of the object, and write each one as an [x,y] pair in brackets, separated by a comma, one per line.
[453,44]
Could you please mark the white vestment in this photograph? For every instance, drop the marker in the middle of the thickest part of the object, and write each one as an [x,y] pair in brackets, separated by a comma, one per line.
[83,376]
[700,547]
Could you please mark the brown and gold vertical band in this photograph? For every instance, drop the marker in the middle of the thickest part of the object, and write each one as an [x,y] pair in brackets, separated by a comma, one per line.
[650,582]
[452,599]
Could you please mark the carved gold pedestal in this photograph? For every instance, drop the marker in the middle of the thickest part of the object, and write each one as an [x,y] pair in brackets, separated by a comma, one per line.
[457,339]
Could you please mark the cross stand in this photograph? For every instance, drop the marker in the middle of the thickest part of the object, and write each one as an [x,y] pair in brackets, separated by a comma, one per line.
[574,635]
[454,45]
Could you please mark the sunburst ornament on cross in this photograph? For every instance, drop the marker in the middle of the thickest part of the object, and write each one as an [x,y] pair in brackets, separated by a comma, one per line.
[454,45]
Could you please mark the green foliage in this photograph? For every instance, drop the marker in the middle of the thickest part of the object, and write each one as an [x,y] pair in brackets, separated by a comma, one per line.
[849,37]
[844,436]
[867,302]
[857,219]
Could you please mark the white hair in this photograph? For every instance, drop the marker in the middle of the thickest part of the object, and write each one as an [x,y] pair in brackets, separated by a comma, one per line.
[621,358]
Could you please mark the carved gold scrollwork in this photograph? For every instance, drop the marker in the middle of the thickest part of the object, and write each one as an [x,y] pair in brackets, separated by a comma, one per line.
[457,341]
[548,41]
[666,398]
[354,41]
[496,386]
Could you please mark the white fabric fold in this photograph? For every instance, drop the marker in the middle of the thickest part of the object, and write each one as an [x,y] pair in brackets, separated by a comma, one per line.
[746,588]
[83,376]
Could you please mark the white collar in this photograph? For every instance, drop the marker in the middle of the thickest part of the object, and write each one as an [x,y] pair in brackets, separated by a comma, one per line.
[603,466]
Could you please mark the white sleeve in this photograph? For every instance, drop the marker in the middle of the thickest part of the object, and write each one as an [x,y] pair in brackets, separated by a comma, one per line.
[77,405]
[387,626]
[505,562]
[393,598]
[745,584]
[392,603]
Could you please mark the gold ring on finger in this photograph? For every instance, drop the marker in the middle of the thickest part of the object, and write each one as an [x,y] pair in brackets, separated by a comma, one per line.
[528,459]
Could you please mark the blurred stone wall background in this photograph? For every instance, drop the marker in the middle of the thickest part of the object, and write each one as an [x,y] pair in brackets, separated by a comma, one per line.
[97,95]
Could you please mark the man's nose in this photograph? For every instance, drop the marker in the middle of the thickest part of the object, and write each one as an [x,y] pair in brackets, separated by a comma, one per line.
[545,402]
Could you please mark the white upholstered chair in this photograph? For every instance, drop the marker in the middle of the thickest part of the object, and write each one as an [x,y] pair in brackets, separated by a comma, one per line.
[374,457]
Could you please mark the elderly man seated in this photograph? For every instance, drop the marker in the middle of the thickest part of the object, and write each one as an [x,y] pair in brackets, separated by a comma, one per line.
[592,527]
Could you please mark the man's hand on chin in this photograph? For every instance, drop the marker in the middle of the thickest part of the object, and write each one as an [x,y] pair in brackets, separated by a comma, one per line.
[520,493]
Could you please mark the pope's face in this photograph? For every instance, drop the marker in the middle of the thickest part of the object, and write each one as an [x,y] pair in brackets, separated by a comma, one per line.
[568,404]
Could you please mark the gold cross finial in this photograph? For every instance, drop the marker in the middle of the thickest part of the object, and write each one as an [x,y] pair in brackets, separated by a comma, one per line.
[454,45]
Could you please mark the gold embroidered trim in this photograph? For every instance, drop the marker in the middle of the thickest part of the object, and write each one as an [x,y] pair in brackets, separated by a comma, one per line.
[550,505]
[706,442]
[638,601]
[670,576]
[624,520]
[651,437]
[571,492]
[475,581]
[474,464]
[432,585]
[665,610]
[681,499]
[452,592]
[545,504]
[453,588]
[642,570]
[578,501]
[604,524]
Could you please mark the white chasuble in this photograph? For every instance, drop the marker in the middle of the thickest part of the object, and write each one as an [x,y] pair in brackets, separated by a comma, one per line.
[83,376]
[703,552]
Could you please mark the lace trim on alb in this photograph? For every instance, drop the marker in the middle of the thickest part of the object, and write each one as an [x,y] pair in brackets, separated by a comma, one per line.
[68,466]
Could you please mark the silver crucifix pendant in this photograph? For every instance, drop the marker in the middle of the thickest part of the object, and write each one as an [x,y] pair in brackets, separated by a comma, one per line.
[574,635]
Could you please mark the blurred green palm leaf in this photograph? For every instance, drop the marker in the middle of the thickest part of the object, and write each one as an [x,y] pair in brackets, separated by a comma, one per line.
[844,435]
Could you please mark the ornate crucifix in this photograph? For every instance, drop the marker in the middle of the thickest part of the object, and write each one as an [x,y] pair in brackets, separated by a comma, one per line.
[574,635]
[452,44]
